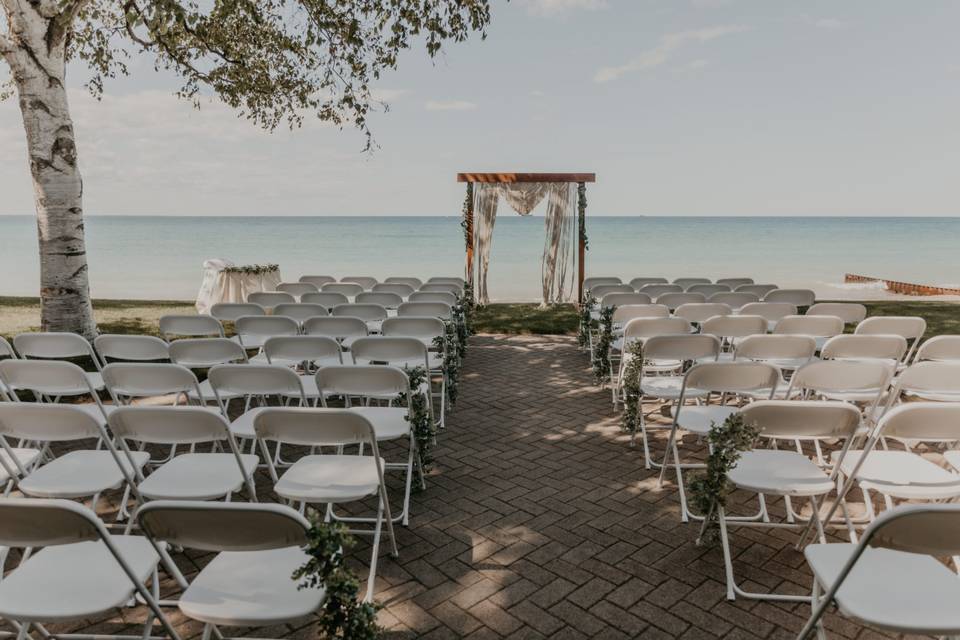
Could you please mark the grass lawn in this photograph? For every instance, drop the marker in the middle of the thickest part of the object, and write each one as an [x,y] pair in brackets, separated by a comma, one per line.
[141,316]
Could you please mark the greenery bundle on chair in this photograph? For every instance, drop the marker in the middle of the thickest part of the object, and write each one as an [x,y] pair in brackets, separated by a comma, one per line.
[601,351]
[632,373]
[449,345]
[423,428]
[586,322]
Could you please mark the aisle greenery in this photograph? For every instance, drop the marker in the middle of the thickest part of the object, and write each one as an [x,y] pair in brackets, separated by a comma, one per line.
[601,350]
[632,372]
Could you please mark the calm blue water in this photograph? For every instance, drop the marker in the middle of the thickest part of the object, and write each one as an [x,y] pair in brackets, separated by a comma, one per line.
[161,257]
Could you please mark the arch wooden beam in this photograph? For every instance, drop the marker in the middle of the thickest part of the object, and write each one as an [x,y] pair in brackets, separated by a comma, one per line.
[526,177]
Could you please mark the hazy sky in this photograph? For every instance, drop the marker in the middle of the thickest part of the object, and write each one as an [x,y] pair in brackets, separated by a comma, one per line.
[680,106]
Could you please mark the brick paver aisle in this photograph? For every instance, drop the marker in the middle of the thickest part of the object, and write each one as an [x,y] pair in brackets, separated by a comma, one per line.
[540,522]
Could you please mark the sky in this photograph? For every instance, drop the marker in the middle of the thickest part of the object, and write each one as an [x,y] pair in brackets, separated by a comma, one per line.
[681,107]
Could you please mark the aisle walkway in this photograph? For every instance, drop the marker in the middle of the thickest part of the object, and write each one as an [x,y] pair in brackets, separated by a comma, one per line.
[541,523]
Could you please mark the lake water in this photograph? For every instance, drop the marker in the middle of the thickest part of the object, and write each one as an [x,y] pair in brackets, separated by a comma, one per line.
[160,257]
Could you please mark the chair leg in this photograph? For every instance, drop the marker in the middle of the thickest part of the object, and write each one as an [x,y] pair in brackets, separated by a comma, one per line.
[375,553]
[727,560]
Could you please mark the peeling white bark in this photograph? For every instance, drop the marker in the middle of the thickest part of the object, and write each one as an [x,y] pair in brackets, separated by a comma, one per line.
[37,59]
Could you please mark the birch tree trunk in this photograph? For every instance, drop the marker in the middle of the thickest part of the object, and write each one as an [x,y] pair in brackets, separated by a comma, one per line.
[35,49]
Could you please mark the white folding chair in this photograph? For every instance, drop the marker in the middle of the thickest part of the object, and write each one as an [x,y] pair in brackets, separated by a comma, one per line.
[861,382]
[174,326]
[365,384]
[699,312]
[733,283]
[403,353]
[385,299]
[686,283]
[306,353]
[300,311]
[426,309]
[343,329]
[372,314]
[297,289]
[330,478]
[427,330]
[892,580]
[820,328]
[51,380]
[399,288]
[772,311]
[639,283]
[204,353]
[945,348]
[269,299]
[230,311]
[248,582]
[937,381]
[318,281]
[888,348]
[757,289]
[188,475]
[349,289]
[127,348]
[784,473]
[415,283]
[126,381]
[364,281]
[731,329]
[593,281]
[674,300]
[6,351]
[82,571]
[733,382]
[796,297]
[327,299]
[253,331]
[849,312]
[642,328]
[58,346]
[910,327]
[433,296]
[734,299]
[709,289]
[447,287]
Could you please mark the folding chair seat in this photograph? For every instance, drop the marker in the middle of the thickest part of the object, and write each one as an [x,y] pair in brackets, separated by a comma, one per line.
[59,346]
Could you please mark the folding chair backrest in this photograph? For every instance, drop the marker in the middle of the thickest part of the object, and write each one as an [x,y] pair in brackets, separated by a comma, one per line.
[621,299]
[850,312]
[940,348]
[172,326]
[767,347]
[657,290]
[816,326]
[309,426]
[335,327]
[864,347]
[300,311]
[840,376]
[910,327]
[364,281]
[637,283]
[328,299]
[253,379]
[415,283]
[349,289]
[756,289]
[200,353]
[446,287]
[735,299]
[701,311]
[447,280]
[230,311]
[931,529]
[318,281]
[674,300]
[686,283]
[648,327]
[168,425]
[50,377]
[730,326]
[6,349]
[270,299]
[130,348]
[732,377]
[413,327]
[388,350]
[923,421]
[930,377]
[297,289]
[53,345]
[681,347]
[627,312]
[47,422]
[789,419]
[266,326]
[223,526]
[363,311]
[302,348]
[45,522]
[601,290]
[433,296]
[423,309]
[733,283]
[798,297]
[140,380]
[709,289]
[590,283]
[771,311]
[384,299]
[401,289]
[362,380]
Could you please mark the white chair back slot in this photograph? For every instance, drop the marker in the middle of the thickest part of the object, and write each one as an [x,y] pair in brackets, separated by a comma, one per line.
[302,348]
[200,353]
[732,377]
[851,313]
[270,299]
[760,290]
[730,326]
[618,299]
[168,425]
[172,326]
[223,526]
[399,288]
[734,299]
[327,299]
[433,296]
[308,426]
[130,348]
[300,311]
[338,327]
[45,522]
[733,283]
[381,298]
[138,380]
[657,290]
[318,281]
[47,422]
[697,312]
[366,282]
[367,312]
[414,283]
[816,326]
[297,289]
[788,419]
[638,283]
[362,380]
[709,289]
[50,377]
[940,348]
[230,311]
[426,309]
[682,347]
[594,281]
[797,297]
[675,300]
[864,347]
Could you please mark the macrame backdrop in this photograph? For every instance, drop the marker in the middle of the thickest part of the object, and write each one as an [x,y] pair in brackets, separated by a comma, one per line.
[559,248]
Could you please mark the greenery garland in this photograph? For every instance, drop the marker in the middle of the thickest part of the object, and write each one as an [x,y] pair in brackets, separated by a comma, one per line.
[632,374]
[586,322]
[423,429]
[709,488]
[465,218]
[342,614]
[252,269]
[601,351]
[582,213]
[449,345]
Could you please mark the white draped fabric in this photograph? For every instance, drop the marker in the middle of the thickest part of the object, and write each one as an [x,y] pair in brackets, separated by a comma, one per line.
[224,286]
[559,248]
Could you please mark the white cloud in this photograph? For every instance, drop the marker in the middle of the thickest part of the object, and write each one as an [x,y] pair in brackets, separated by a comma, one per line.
[557,7]
[667,46]
[830,23]
[449,105]
[387,95]
[696,65]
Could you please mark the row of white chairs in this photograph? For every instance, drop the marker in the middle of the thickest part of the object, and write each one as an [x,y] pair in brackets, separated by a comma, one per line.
[368,283]
[269,300]
[709,293]
[360,285]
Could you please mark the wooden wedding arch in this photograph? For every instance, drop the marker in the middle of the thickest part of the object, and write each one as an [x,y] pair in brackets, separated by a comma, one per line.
[580,179]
